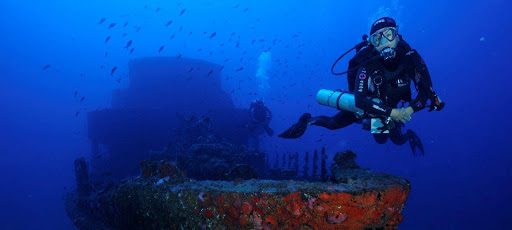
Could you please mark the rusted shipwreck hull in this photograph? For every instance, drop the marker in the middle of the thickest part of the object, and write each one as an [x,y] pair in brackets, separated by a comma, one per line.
[164,198]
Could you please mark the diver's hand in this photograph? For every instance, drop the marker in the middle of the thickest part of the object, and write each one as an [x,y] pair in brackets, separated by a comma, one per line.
[409,111]
[400,115]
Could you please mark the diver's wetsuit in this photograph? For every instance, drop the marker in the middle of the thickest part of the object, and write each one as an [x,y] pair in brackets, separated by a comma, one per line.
[260,116]
[388,80]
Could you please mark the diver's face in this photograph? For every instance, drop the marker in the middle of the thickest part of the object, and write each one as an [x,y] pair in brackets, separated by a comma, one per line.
[382,39]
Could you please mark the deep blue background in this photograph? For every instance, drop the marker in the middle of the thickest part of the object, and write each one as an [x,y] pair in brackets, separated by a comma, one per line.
[463,182]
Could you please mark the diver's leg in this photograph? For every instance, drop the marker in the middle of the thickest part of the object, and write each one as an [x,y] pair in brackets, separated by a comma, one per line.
[396,135]
[399,138]
[254,142]
[338,121]
[381,138]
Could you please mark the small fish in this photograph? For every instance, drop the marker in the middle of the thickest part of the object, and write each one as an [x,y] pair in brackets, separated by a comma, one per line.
[76,93]
[138,29]
[111,25]
[76,114]
[188,78]
[106,54]
[83,98]
[124,35]
[168,23]
[106,174]
[191,69]
[181,27]
[318,140]
[213,35]
[161,48]
[131,51]
[102,20]
[113,70]
[46,67]
[179,56]
[125,24]
[210,72]
[172,36]
[246,9]
[118,80]
[157,9]
[239,69]
[236,6]
[182,11]
[128,44]
[106,39]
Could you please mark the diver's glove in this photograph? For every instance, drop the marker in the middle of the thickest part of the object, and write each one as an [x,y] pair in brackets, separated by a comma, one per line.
[436,103]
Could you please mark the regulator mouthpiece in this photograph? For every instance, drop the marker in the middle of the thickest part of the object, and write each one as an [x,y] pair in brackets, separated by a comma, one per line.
[388,53]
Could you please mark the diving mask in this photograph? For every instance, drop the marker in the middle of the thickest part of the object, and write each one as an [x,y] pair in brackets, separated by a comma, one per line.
[389,33]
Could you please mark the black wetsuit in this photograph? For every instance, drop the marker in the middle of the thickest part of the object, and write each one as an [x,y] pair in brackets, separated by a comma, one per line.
[388,80]
[260,116]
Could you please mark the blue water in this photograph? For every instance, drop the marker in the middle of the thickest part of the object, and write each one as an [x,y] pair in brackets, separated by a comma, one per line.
[463,181]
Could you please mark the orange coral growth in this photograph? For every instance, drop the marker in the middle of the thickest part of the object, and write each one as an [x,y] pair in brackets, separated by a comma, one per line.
[232,212]
[366,199]
[208,214]
[272,220]
[323,196]
[255,199]
[395,195]
[246,208]
[335,210]
[244,220]
[220,200]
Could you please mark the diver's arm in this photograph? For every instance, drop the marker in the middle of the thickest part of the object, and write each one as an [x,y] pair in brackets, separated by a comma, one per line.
[422,81]
[361,96]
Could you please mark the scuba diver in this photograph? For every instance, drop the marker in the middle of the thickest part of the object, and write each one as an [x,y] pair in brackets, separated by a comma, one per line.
[260,116]
[379,77]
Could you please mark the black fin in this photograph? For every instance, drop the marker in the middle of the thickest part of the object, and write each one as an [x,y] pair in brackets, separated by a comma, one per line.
[298,129]
[415,142]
